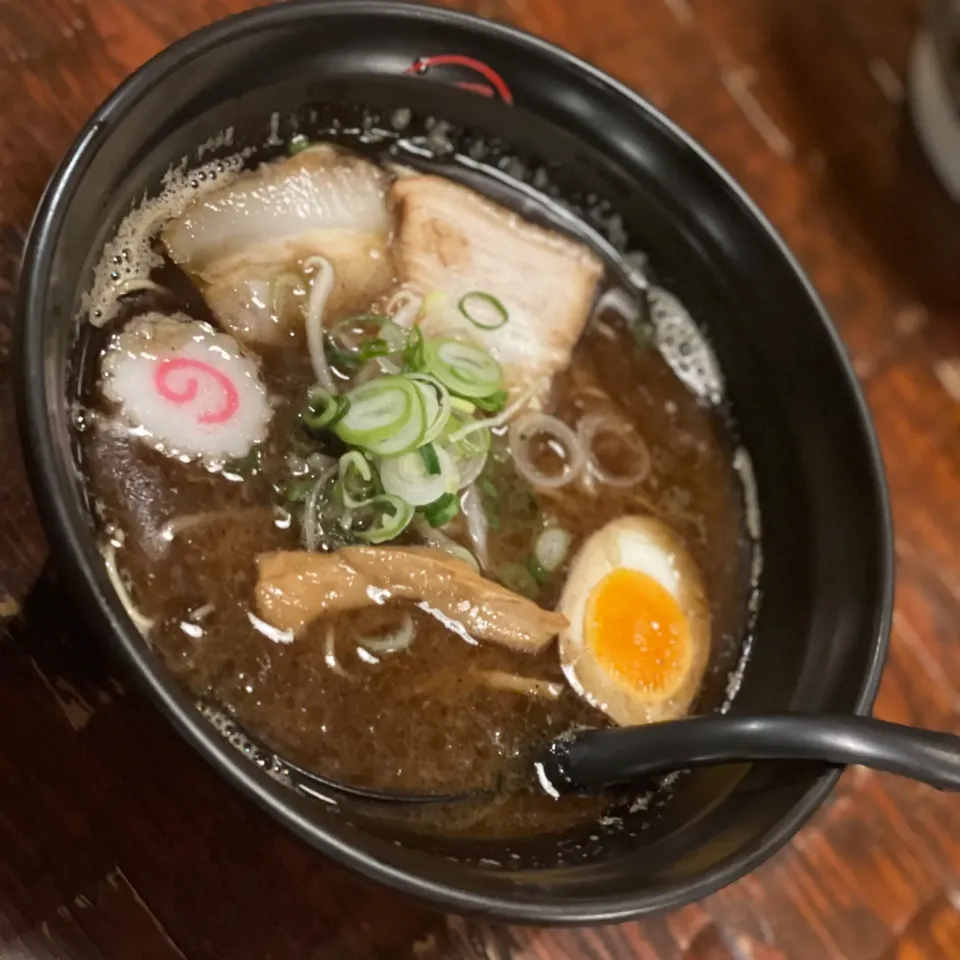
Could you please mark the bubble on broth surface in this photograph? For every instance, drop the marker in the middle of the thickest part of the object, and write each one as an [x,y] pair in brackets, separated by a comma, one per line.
[217,142]
[228,729]
[684,347]
[130,256]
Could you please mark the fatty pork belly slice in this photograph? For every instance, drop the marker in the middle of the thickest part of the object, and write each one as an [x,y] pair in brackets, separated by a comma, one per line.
[296,587]
[453,241]
[248,242]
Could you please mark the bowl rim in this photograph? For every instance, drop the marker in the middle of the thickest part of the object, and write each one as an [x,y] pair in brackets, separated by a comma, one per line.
[71,538]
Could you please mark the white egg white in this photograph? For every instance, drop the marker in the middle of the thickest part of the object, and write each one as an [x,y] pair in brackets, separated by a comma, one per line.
[648,546]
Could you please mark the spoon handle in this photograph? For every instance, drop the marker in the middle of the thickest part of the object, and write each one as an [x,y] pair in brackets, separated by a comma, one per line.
[599,758]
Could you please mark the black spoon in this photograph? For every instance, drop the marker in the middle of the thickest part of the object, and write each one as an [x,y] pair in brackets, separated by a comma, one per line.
[325,788]
[594,759]
[591,760]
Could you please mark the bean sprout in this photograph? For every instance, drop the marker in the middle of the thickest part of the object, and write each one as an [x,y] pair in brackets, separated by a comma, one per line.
[320,290]
[440,541]
[269,630]
[528,686]
[330,653]
[143,623]
[405,308]
[188,521]
[491,423]
[393,642]
[472,507]
[201,612]
[135,284]
[310,531]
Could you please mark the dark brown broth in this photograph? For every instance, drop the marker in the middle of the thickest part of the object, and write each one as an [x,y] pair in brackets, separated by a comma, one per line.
[421,718]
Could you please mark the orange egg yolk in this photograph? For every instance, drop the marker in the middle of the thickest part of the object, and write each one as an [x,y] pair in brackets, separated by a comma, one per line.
[638,632]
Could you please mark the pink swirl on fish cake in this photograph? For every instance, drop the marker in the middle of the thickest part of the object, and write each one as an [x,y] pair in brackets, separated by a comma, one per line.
[188,392]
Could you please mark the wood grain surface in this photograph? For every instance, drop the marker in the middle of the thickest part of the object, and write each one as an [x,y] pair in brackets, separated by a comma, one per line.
[116,842]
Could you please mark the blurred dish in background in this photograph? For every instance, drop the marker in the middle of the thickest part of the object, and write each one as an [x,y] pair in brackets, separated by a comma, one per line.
[935,91]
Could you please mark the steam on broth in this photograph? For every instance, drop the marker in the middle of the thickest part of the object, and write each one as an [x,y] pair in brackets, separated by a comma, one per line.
[395,478]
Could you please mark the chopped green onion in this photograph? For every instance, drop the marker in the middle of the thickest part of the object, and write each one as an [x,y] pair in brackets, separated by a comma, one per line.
[359,462]
[430,460]
[483,310]
[298,143]
[409,477]
[299,490]
[470,453]
[472,457]
[386,417]
[435,301]
[324,410]
[355,492]
[492,404]
[442,510]
[365,337]
[389,518]
[474,444]
[245,466]
[516,577]
[459,405]
[436,404]
[377,347]
[413,351]
[551,546]
[464,368]
[503,417]
[537,572]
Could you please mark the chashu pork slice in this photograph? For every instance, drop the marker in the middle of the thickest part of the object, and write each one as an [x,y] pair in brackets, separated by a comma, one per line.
[295,587]
[452,241]
[249,242]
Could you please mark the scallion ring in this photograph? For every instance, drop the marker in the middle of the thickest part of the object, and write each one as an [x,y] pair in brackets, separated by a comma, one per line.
[298,490]
[388,518]
[560,438]
[519,579]
[550,548]
[324,410]
[355,482]
[437,404]
[413,355]
[494,403]
[483,310]
[459,405]
[366,337]
[386,417]
[464,368]
[428,453]
[629,443]
[409,477]
[442,510]
[471,456]
[298,143]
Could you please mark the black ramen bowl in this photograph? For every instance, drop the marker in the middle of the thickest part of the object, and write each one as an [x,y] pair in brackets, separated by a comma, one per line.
[821,634]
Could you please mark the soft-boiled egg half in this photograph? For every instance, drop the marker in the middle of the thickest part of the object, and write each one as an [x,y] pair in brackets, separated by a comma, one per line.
[638,638]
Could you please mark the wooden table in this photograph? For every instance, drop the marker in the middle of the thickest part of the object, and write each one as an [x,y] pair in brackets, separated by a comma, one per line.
[116,842]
